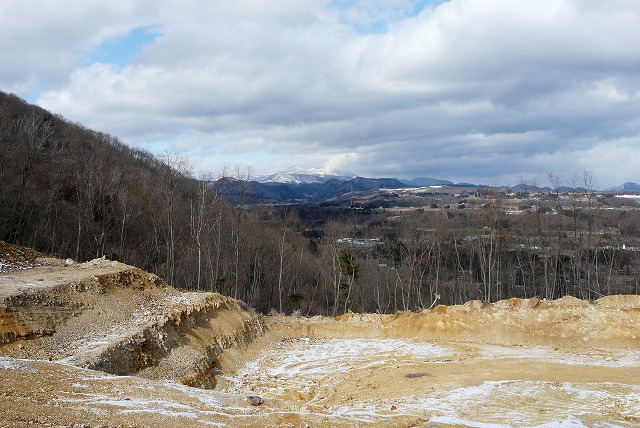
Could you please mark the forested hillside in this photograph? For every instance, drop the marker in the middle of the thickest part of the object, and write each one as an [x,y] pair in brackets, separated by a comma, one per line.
[75,192]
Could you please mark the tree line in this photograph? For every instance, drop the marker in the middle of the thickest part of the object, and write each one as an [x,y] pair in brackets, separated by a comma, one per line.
[74,192]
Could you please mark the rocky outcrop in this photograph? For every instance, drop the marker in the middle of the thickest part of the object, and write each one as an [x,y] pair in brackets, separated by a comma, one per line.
[108,316]
[185,346]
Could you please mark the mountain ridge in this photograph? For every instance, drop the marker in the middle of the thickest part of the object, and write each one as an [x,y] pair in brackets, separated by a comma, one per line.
[295,185]
[628,186]
[296,175]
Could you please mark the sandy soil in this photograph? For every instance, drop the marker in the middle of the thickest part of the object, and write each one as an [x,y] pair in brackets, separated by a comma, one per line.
[105,344]
[501,382]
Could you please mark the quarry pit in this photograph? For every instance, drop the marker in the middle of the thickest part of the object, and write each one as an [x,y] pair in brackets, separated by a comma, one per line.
[105,344]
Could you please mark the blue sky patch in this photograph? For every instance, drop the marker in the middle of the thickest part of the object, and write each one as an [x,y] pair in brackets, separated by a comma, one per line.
[420,5]
[390,14]
[121,50]
[35,89]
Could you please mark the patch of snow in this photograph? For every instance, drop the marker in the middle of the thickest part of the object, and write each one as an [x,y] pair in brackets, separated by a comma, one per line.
[311,358]
[368,415]
[303,364]
[520,402]
[168,408]
[295,175]
[164,412]
[207,397]
[592,358]
[569,422]
[628,196]
[8,363]
[182,298]
[462,422]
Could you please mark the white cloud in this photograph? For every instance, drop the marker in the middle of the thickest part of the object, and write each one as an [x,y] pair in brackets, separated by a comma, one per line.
[464,89]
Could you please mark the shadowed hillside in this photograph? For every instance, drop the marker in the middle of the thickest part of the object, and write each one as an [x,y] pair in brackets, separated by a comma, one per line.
[77,193]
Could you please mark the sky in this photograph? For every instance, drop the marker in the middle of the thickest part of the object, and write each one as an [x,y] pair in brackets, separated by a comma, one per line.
[483,91]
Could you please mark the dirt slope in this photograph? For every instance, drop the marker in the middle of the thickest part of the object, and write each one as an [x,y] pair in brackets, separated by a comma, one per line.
[69,332]
[118,319]
[608,322]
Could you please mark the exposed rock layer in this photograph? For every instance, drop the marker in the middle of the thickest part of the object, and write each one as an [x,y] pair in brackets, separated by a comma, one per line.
[112,317]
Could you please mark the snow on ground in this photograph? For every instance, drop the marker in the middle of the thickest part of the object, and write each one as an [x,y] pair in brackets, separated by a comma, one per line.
[569,422]
[522,402]
[183,298]
[315,367]
[8,363]
[592,357]
[304,362]
[311,358]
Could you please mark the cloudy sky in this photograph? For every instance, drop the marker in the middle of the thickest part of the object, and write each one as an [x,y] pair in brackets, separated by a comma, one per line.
[484,91]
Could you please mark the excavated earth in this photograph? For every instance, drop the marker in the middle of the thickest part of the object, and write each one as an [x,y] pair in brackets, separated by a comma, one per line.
[105,344]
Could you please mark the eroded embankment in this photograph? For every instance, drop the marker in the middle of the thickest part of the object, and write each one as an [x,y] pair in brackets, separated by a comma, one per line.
[118,319]
[608,322]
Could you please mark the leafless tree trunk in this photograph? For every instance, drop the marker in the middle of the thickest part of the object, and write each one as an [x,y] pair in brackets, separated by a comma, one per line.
[199,206]
[35,131]
[175,168]
[282,241]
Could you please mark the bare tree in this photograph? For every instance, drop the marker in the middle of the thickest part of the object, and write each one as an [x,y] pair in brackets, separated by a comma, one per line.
[7,142]
[350,269]
[175,169]
[35,130]
[288,219]
[243,178]
[199,205]
[554,179]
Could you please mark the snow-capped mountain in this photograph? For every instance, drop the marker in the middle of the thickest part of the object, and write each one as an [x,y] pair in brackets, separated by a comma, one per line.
[295,175]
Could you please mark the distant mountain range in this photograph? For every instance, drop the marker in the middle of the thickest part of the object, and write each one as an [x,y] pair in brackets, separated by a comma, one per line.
[250,192]
[323,185]
[295,175]
[316,185]
[627,187]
